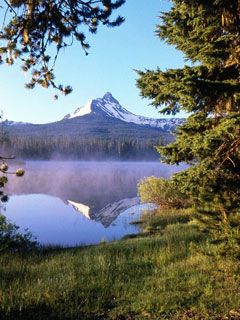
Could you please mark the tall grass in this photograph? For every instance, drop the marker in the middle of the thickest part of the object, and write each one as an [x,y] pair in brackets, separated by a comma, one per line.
[163,275]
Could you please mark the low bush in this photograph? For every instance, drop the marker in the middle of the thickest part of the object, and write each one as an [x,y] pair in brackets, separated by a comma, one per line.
[163,193]
[11,239]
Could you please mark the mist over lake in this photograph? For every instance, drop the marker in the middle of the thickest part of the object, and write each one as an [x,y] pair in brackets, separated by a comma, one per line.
[71,203]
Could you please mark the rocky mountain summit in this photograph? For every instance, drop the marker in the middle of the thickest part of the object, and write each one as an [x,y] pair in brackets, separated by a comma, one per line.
[108,106]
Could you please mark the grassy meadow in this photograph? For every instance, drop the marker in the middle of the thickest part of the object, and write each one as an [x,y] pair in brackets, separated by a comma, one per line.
[169,271]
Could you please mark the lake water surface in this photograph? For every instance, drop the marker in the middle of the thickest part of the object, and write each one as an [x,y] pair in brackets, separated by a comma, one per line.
[72,203]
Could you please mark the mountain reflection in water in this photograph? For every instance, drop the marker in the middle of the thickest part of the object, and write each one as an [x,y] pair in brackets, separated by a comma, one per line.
[110,212]
[103,194]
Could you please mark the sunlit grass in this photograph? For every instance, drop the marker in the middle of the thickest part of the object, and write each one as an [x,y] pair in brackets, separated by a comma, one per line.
[158,219]
[167,274]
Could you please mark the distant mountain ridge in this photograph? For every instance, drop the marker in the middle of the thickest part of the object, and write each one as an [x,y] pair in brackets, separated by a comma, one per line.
[108,106]
[101,129]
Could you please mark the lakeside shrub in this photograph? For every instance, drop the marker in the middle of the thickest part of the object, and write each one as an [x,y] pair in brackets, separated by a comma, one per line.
[163,193]
[11,239]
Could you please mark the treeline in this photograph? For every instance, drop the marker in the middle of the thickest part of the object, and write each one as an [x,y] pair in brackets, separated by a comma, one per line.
[64,147]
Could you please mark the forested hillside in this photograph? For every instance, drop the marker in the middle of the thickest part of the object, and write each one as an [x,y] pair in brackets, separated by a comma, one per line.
[88,137]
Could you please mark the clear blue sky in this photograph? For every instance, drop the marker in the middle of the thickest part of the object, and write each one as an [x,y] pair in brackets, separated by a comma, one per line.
[114,53]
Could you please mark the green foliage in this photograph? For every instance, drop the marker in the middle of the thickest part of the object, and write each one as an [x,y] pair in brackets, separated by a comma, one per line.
[30,28]
[208,33]
[12,240]
[162,192]
[19,172]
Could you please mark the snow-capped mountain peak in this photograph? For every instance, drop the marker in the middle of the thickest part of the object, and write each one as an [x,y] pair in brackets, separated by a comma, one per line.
[108,106]
[108,96]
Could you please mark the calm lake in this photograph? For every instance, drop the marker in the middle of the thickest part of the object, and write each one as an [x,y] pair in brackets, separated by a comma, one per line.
[72,203]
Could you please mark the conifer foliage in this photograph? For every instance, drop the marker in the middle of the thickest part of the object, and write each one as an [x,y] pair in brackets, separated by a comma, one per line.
[32,29]
[208,33]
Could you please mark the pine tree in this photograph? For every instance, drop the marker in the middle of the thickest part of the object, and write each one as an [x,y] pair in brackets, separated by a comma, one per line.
[208,33]
[32,28]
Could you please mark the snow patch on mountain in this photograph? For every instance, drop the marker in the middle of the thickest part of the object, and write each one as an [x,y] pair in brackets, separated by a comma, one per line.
[82,111]
[13,123]
[110,107]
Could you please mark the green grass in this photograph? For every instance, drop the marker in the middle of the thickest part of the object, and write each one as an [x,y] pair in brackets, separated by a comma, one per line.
[158,219]
[166,274]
